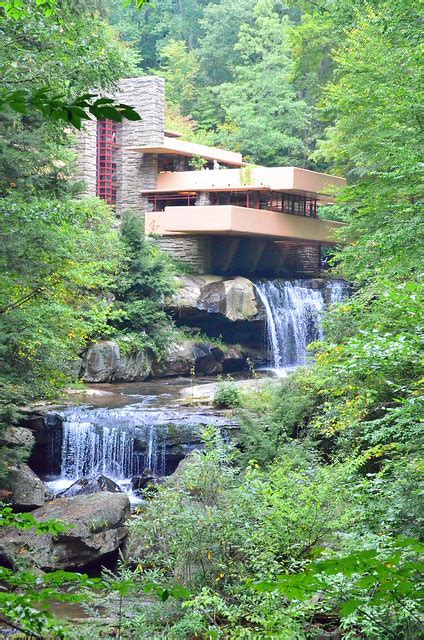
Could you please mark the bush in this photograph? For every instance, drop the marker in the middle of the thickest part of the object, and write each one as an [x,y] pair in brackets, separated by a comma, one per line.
[227,395]
[216,530]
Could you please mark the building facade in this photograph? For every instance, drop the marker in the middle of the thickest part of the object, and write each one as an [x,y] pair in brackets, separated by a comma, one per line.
[207,207]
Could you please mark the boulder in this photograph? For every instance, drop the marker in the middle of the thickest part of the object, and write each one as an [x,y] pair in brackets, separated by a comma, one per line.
[183,465]
[17,437]
[97,529]
[27,491]
[233,299]
[147,480]
[103,362]
[234,359]
[202,358]
[88,485]
[189,289]
[135,367]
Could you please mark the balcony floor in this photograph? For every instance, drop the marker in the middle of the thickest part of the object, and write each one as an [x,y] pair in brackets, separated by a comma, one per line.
[229,220]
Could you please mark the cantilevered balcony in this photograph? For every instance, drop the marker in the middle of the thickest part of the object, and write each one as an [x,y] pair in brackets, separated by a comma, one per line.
[287,179]
[230,220]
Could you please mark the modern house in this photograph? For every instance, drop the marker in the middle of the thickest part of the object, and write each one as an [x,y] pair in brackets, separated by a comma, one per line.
[208,207]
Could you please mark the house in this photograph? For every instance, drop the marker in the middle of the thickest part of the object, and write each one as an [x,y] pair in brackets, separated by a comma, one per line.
[207,207]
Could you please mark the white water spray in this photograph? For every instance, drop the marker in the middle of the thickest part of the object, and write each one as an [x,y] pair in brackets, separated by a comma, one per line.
[293,317]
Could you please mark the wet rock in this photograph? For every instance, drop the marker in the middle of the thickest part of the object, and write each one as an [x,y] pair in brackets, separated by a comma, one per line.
[26,490]
[181,468]
[202,358]
[17,437]
[87,486]
[97,529]
[103,362]
[147,480]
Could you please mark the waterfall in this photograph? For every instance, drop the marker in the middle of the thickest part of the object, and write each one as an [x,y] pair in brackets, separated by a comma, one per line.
[293,316]
[121,442]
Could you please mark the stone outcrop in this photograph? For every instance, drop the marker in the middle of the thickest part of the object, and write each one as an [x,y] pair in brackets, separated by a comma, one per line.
[103,362]
[232,298]
[25,489]
[97,529]
[87,486]
[201,358]
[220,307]
[17,438]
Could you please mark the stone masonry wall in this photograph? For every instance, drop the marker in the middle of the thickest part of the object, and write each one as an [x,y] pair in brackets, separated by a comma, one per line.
[203,199]
[136,171]
[302,260]
[195,251]
[86,161]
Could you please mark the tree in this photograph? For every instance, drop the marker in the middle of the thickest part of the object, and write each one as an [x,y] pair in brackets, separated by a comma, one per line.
[61,57]
[180,68]
[264,117]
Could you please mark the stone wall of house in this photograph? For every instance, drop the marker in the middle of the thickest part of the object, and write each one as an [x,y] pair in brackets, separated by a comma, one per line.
[137,171]
[86,161]
[302,260]
[203,199]
[195,251]
[134,171]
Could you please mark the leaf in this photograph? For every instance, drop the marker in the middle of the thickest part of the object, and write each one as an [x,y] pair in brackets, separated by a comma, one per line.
[349,607]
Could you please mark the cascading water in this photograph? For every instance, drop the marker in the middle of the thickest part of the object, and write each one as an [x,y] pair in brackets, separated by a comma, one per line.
[293,317]
[121,442]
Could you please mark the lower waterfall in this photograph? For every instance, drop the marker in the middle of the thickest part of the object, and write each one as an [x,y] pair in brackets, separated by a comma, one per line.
[122,442]
[294,310]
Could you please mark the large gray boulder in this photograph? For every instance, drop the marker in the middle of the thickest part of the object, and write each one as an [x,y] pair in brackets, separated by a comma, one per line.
[17,438]
[97,529]
[201,358]
[233,299]
[103,362]
[25,489]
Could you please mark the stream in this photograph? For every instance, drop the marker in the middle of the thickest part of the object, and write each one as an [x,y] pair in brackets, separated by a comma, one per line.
[125,430]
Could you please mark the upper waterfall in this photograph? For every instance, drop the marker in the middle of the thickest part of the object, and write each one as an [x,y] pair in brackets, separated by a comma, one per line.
[294,311]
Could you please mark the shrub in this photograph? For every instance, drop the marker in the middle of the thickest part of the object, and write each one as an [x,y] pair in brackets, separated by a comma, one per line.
[227,395]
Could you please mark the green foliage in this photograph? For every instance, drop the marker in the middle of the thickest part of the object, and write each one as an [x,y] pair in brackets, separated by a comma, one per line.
[379,591]
[214,529]
[264,117]
[227,395]
[27,521]
[62,56]
[59,259]
[141,319]
[55,107]
[270,417]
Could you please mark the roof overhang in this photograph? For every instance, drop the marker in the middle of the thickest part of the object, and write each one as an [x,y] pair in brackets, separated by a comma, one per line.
[175,146]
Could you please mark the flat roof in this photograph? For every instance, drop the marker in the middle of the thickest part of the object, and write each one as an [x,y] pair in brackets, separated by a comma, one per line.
[175,146]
